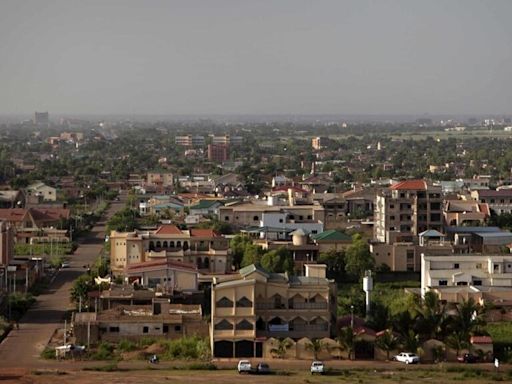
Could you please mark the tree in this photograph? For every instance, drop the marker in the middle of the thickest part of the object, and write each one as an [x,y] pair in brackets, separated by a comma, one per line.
[387,342]
[335,260]
[468,318]
[316,346]
[457,341]
[237,246]
[282,346]
[358,257]
[278,261]
[431,316]
[347,340]
[410,341]
[252,255]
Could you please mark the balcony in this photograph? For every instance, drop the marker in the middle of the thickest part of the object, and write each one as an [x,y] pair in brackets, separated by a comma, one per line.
[269,305]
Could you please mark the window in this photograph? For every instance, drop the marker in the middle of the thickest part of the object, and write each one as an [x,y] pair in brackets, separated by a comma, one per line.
[280,220]
[226,218]
[314,231]
[244,302]
[166,328]
[477,282]
[113,329]
[496,267]
[410,255]
[224,303]
[245,325]
[145,329]
[224,325]
[479,266]
[177,328]
[255,218]
[391,206]
[462,283]
[456,266]
[443,282]
[391,217]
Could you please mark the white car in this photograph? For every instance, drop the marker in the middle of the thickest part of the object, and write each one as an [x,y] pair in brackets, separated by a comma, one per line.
[244,366]
[407,358]
[65,264]
[317,367]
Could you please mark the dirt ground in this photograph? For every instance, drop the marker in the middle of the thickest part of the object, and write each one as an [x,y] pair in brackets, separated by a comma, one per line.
[396,374]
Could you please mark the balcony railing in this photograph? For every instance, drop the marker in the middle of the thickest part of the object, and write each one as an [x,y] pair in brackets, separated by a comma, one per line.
[272,305]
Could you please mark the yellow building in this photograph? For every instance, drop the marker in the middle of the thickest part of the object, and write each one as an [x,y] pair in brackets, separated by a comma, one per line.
[252,306]
[205,248]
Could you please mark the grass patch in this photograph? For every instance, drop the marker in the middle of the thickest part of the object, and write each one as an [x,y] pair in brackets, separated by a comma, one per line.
[48,353]
[500,332]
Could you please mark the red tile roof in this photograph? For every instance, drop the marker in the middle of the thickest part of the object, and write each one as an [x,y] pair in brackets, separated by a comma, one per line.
[169,229]
[204,233]
[410,185]
[12,214]
[162,263]
[49,214]
[481,340]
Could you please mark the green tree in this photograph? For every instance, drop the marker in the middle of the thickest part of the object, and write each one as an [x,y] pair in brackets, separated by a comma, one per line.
[335,260]
[316,346]
[358,257]
[278,261]
[252,255]
[387,342]
[280,350]
[347,340]
[457,341]
[410,341]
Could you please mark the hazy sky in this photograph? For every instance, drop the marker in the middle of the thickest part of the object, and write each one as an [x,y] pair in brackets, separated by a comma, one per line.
[256,56]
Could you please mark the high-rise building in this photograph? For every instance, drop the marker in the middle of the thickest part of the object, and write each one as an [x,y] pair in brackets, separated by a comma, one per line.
[406,209]
[41,118]
[218,153]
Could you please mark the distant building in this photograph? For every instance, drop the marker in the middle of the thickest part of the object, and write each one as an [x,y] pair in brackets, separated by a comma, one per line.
[190,141]
[41,119]
[498,201]
[218,153]
[40,191]
[318,143]
[227,140]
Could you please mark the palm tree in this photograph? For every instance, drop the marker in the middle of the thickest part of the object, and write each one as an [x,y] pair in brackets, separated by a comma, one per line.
[469,317]
[457,341]
[410,341]
[282,346]
[347,340]
[387,342]
[431,316]
[315,346]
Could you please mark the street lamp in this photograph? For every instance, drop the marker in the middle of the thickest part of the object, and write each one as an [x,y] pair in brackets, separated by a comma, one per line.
[352,316]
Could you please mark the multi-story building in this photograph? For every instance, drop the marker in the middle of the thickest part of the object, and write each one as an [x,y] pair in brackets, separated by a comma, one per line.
[163,179]
[465,212]
[205,248]
[227,140]
[190,141]
[253,305]
[41,119]
[250,214]
[407,209]
[317,143]
[218,153]
[455,277]
[499,201]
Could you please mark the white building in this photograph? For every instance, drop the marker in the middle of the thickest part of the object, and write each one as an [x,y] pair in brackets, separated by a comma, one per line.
[285,221]
[471,271]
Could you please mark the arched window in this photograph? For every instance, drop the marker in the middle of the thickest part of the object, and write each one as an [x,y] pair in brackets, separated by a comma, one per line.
[165,244]
[185,245]
[255,218]
[151,246]
[206,262]
[171,244]
[178,244]
[199,263]
[158,245]
[223,325]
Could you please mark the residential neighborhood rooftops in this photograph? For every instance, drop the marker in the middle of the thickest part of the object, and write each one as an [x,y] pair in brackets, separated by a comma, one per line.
[411,185]
[331,235]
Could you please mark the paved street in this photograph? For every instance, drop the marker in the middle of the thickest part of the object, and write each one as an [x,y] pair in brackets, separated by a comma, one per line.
[22,347]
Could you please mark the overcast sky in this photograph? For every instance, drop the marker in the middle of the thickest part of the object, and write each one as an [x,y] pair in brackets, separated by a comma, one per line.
[256,57]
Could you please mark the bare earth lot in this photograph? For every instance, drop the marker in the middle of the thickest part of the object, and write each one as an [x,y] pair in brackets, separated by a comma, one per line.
[363,374]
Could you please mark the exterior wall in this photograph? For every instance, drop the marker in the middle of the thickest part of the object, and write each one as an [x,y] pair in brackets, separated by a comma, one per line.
[6,243]
[485,270]
[277,310]
[281,220]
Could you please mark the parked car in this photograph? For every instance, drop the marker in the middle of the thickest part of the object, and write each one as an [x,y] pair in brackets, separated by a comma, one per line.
[407,358]
[244,366]
[467,358]
[65,264]
[262,369]
[317,367]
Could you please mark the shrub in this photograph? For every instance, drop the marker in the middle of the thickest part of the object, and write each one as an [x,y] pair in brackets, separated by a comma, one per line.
[186,348]
[126,346]
[103,352]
